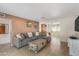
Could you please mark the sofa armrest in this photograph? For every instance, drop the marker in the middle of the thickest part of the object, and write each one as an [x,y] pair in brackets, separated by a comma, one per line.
[17,42]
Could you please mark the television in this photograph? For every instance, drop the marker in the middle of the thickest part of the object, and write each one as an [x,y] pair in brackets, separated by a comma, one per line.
[77,24]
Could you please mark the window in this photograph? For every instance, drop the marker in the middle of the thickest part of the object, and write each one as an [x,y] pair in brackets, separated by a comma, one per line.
[56,26]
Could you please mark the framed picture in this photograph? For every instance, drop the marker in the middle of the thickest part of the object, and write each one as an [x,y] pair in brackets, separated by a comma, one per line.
[29,24]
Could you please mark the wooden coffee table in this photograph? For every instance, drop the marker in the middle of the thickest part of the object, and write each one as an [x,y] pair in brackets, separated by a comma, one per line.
[37,45]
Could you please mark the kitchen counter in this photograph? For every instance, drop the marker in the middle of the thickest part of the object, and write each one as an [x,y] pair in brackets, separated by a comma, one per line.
[73,44]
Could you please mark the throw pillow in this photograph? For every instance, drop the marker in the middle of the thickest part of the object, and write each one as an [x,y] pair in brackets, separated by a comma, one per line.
[37,33]
[30,34]
[18,36]
[47,34]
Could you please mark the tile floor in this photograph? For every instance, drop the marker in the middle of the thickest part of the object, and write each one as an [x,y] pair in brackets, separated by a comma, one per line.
[52,49]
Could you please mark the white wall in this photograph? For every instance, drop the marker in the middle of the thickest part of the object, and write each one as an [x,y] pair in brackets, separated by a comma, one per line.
[5,38]
[67,27]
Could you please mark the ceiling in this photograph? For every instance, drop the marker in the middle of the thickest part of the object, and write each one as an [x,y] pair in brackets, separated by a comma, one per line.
[37,11]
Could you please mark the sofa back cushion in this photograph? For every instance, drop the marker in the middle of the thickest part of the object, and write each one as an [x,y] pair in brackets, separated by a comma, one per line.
[26,35]
[29,34]
[33,33]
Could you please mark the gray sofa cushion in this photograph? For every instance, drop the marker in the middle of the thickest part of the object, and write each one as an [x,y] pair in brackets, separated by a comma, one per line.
[32,37]
[25,38]
[24,42]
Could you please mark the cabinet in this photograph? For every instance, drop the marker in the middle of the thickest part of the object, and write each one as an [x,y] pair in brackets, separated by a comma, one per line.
[73,45]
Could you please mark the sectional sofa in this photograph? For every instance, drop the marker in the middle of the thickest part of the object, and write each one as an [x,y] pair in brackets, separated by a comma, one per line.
[23,39]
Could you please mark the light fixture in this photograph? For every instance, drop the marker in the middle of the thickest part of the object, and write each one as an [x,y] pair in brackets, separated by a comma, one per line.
[3,14]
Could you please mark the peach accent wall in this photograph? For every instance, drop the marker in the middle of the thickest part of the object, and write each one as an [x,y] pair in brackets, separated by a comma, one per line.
[19,25]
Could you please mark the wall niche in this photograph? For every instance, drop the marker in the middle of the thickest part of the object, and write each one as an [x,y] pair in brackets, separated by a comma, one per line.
[2,28]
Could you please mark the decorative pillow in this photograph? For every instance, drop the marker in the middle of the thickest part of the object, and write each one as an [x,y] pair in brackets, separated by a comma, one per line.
[47,34]
[21,36]
[30,34]
[33,33]
[37,33]
[18,36]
